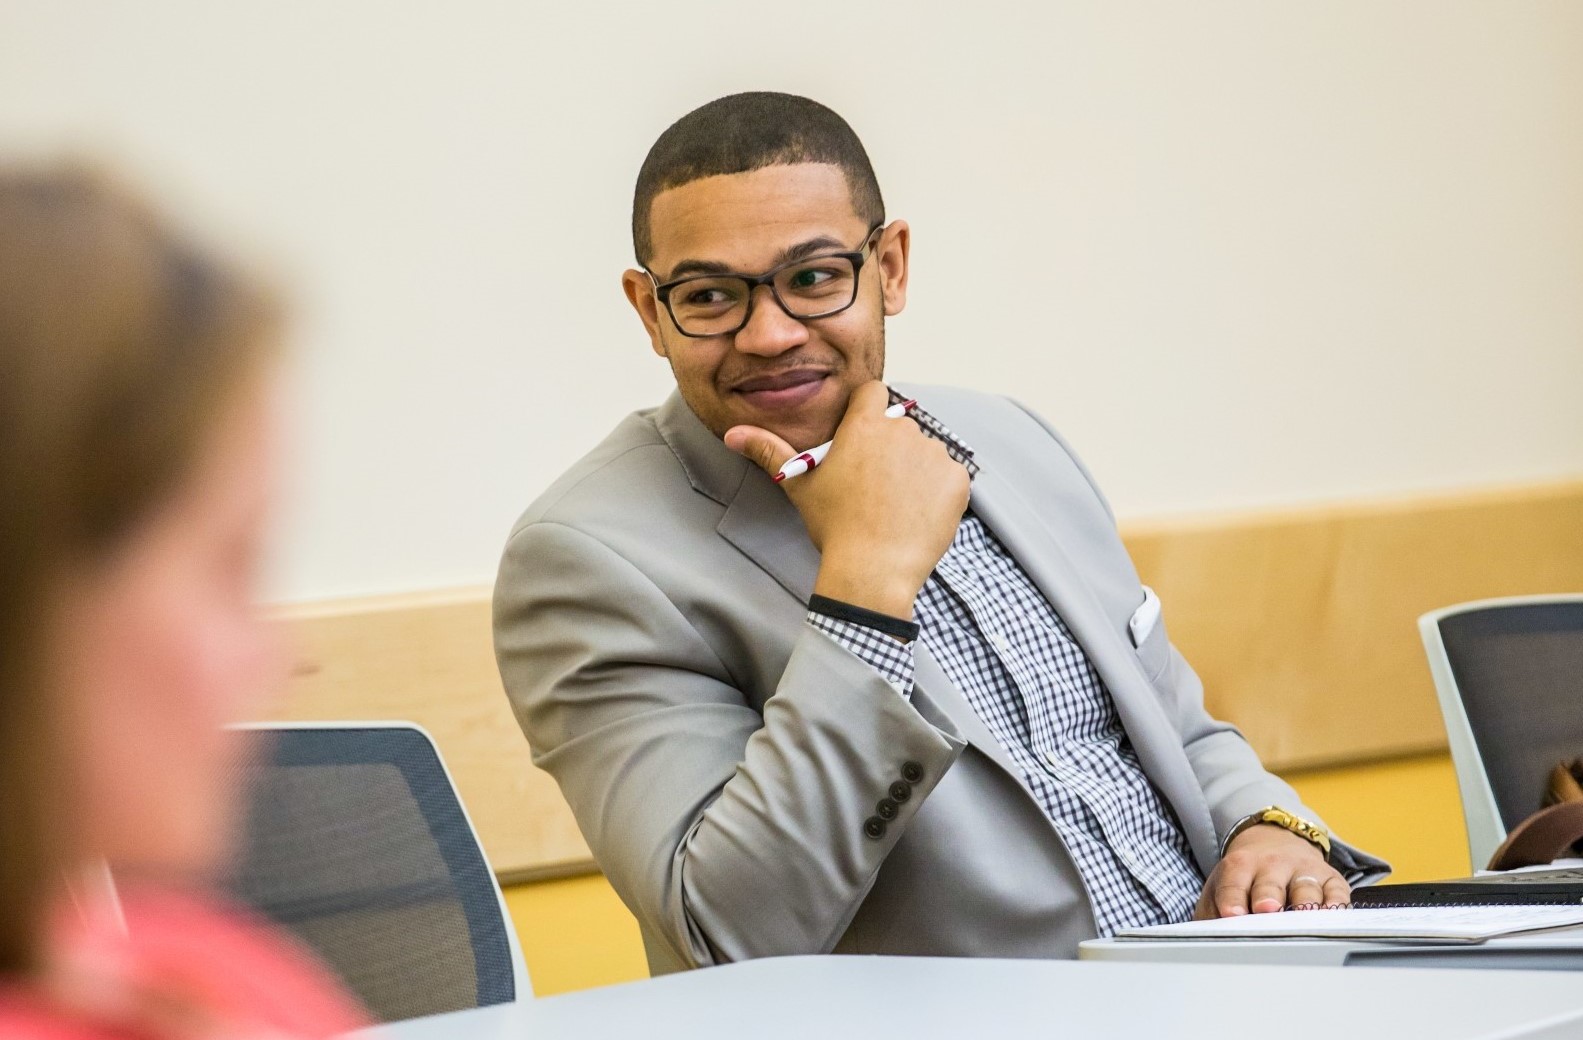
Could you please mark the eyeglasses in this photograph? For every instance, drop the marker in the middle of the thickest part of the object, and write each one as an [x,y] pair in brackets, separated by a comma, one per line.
[721,304]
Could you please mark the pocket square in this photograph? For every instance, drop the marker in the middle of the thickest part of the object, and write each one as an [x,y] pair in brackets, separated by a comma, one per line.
[1145,617]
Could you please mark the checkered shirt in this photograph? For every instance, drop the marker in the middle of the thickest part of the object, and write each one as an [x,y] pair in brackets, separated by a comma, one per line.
[1003,645]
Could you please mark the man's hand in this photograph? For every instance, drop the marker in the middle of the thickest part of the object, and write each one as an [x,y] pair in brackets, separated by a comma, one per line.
[1267,868]
[882,508]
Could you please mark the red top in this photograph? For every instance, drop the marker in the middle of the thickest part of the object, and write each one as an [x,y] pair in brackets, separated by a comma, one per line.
[182,968]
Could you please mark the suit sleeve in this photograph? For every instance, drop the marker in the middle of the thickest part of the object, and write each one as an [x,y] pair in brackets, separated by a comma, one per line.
[730,833]
[1234,781]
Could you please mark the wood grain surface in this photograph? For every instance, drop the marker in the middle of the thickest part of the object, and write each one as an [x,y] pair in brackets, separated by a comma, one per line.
[1304,624]
[428,658]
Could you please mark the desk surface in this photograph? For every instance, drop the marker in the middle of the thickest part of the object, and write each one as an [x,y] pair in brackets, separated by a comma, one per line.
[829,998]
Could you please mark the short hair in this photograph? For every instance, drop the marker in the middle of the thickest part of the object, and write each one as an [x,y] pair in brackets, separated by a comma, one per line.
[745,132]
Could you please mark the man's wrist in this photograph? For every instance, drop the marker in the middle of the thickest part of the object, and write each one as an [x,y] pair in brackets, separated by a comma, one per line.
[897,628]
[1275,817]
[867,587]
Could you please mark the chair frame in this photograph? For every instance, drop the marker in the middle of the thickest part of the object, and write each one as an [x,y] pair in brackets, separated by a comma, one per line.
[522,986]
[1480,812]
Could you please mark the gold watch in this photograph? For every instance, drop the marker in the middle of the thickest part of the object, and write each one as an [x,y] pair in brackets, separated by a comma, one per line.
[1274,814]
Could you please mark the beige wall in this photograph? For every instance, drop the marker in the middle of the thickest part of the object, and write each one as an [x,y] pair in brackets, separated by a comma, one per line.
[1243,253]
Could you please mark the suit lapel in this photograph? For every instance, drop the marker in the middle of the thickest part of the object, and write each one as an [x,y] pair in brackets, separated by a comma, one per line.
[762,522]
[1036,545]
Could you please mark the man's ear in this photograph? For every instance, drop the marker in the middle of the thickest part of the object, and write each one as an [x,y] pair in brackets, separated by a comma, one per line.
[640,293]
[890,258]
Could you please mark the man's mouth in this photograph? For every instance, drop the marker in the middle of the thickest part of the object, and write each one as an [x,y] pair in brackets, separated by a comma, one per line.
[782,390]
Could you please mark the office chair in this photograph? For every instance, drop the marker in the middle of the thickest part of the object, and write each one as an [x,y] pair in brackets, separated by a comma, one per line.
[355,842]
[1509,675]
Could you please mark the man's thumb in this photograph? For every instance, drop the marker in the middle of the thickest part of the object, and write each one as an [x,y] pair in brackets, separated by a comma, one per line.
[760,446]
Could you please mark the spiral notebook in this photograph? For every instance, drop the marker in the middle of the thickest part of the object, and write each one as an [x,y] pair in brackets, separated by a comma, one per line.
[1527,886]
[1436,924]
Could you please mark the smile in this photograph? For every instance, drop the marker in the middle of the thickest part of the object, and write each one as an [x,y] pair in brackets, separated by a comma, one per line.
[784,391]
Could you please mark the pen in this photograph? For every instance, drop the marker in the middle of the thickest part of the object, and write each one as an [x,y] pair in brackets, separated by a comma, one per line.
[800,464]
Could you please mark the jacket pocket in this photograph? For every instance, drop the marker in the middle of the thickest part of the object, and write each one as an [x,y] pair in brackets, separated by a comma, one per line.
[1147,633]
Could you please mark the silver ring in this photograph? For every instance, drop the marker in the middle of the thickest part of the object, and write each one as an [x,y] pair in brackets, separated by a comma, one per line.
[1305,877]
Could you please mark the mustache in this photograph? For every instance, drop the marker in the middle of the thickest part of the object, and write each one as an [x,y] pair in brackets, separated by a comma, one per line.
[738,374]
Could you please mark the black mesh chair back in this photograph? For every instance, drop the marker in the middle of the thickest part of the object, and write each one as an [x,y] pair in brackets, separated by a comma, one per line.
[1510,677]
[356,843]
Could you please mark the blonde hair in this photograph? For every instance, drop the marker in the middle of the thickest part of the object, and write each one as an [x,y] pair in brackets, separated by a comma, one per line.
[120,344]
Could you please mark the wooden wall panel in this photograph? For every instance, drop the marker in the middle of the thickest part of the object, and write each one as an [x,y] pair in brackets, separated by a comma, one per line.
[428,658]
[1301,623]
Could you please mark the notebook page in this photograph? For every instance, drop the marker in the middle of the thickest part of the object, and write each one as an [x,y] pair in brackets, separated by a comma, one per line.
[1450,923]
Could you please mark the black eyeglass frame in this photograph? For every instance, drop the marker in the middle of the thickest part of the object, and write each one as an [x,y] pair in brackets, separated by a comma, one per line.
[662,292]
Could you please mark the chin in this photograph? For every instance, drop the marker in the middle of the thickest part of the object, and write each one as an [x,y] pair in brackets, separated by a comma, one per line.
[804,437]
[813,426]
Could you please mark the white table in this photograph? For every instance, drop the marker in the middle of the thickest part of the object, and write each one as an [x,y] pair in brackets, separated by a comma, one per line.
[1559,950]
[832,998]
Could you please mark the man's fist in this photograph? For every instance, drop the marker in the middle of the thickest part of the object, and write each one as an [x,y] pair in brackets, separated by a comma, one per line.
[882,508]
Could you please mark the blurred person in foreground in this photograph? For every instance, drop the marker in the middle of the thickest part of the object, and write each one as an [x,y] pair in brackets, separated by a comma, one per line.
[137,458]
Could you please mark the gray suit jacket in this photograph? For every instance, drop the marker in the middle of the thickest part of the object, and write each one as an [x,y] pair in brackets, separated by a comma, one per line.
[721,755]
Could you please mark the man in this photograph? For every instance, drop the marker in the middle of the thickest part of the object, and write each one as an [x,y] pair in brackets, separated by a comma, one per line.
[914,701]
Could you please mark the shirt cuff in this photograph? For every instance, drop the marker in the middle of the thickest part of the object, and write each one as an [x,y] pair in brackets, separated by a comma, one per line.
[893,660]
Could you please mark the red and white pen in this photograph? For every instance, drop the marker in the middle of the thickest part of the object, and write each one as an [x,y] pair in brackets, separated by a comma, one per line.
[800,464]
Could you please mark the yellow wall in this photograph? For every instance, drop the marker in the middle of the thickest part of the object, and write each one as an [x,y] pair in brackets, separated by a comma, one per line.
[1406,811]
[576,933]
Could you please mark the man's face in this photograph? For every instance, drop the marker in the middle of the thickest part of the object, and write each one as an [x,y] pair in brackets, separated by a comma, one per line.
[789,376]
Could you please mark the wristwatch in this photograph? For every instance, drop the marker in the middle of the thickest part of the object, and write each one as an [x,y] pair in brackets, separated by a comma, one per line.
[1274,814]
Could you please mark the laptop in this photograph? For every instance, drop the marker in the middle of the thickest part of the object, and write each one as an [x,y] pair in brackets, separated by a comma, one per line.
[1526,887]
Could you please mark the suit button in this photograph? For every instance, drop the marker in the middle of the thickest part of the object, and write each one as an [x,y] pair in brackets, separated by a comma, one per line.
[900,791]
[912,772]
[874,827]
[886,809]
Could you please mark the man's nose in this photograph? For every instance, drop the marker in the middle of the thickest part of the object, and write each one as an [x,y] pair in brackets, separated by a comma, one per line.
[770,330]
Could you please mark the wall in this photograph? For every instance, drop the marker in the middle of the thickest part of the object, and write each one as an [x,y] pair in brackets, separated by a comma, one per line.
[1242,253]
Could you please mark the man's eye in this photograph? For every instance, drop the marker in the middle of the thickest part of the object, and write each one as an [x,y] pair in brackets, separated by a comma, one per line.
[809,277]
[708,297]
